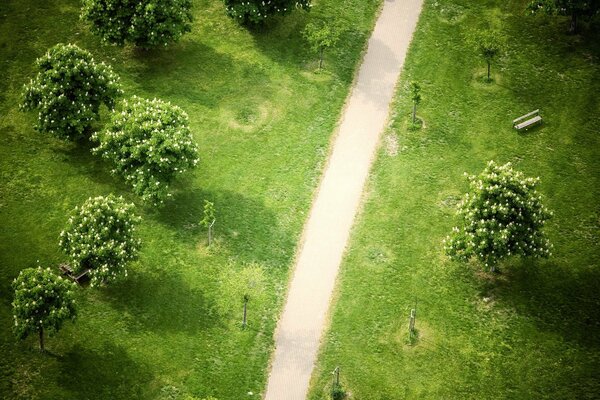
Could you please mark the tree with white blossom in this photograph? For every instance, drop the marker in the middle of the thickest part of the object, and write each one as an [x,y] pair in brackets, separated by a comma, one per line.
[257,11]
[502,216]
[143,23]
[100,236]
[149,143]
[43,302]
[68,91]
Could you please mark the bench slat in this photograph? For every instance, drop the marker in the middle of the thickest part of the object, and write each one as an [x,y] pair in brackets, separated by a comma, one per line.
[529,122]
[526,116]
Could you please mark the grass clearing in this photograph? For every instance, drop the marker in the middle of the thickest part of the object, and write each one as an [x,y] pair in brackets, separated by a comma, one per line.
[532,331]
[262,119]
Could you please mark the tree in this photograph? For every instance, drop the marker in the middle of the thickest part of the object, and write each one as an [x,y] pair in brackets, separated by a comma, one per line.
[489,44]
[321,36]
[239,288]
[149,143]
[257,11]
[43,301]
[100,236]
[572,8]
[415,95]
[68,91]
[208,218]
[143,23]
[502,216]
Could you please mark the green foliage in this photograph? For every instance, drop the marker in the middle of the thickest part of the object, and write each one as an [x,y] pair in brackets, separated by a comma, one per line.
[257,11]
[415,92]
[502,216]
[100,235]
[68,91]
[239,287]
[573,8]
[43,301]
[143,23]
[321,36]
[149,143]
[338,392]
[489,44]
[208,214]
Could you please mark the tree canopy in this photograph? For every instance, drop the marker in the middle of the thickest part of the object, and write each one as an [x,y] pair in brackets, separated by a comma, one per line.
[257,11]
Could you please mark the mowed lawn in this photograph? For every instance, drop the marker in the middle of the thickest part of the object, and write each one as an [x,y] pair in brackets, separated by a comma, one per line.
[262,118]
[532,331]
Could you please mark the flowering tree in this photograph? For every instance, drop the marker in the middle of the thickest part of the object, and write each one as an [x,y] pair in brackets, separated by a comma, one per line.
[43,301]
[257,11]
[144,23]
[68,91]
[100,237]
[572,8]
[502,216]
[148,142]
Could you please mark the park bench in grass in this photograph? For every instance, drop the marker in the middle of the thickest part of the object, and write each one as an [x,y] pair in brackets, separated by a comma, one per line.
[529,120]
[68,271]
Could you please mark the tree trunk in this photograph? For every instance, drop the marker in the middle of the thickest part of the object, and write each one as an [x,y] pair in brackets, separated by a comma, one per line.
[489,65]
[321,58]
[245,309]
[414,116]
[573,27]
[42,339]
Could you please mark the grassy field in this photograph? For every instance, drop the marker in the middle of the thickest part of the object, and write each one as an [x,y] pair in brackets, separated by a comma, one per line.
[532,331]
[262,118]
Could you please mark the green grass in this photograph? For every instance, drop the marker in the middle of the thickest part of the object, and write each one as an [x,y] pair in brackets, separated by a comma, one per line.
[531,332]
[262,119]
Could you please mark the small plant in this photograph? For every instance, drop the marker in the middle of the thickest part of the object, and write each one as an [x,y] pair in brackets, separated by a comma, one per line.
[208,219]
[100,236]
[489,44]
[257,11]
[502,216]
[143,23]
[68,91]
[43,301]
[239,288]
[149,143]
[415,96]
[338,392]
[321,36]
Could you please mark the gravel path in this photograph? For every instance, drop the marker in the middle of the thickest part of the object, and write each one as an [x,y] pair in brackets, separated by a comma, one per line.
[327,230]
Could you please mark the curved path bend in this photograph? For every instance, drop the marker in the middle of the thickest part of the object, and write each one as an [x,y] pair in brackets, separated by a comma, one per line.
[326,232]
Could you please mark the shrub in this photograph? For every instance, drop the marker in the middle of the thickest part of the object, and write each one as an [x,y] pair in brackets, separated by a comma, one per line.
[257,11]
[43,301]
[321,36]
[148,142]
[100,235]
[68,91]
[143,23]
[502,216]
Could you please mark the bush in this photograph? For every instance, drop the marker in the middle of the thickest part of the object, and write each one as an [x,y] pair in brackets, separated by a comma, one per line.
[143,23]
[257,11]
[43,301]
[100,236]
[148,142]
[502,216]
[68,91]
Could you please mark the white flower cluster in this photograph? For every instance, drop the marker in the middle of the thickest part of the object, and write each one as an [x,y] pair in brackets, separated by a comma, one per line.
[149,142]
[144,23]
[43,300]
[69,90]
[502,216]
[100,235]
[256,11]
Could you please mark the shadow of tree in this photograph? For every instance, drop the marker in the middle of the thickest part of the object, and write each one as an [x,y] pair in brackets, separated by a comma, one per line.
[106,373]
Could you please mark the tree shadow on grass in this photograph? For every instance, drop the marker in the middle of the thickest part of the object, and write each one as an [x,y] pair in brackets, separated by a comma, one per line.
[106,373]
[161,301]
[244,225]
[559,300]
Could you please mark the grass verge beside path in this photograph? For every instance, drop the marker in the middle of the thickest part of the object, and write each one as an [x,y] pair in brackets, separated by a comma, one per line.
[532,331]
[262,119]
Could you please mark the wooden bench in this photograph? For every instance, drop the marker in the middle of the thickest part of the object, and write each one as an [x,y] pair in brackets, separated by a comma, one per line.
[531,119]
[68,271]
